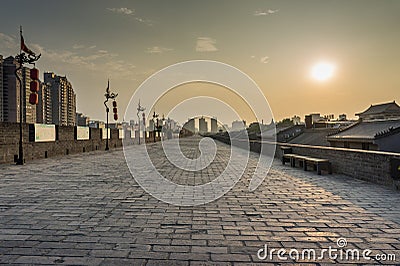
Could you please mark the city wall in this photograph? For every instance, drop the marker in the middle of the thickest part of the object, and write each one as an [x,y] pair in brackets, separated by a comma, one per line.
[373,166]
[64,144]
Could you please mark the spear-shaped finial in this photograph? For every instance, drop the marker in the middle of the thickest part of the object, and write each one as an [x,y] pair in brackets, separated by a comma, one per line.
[108,87]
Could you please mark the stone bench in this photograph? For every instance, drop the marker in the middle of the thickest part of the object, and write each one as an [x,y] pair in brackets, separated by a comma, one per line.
[317,163]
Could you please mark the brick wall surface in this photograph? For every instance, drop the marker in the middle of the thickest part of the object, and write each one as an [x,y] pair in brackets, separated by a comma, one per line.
[66,143]
[373,166]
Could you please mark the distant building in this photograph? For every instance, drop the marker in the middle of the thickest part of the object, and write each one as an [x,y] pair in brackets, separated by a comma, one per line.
[1,89]
[389,110]
[44,109]
[96,124]
[203,125]
[342,117]
[188,128]
[151,125]
[214,125]
[313,136]
[296,120]
[311,120]
[281,134]
[82,120]
[10,99]
[317,121]
[378,128]
[286,134]
[329,117]
[238,125]
[63,99]
[173,125]
[381,135]
[115,125]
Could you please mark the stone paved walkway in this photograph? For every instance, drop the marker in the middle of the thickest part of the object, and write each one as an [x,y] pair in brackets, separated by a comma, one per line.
[87,209]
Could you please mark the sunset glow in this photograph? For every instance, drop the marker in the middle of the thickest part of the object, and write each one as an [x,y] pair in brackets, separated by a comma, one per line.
[323,71]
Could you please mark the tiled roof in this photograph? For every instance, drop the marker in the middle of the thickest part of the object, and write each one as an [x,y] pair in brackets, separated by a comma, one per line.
[366,130]
[315,137]
[391,107]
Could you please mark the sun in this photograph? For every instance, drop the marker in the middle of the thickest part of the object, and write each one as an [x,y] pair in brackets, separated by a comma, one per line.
[322,71]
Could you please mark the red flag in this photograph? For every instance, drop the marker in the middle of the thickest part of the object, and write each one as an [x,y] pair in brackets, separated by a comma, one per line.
[25,48]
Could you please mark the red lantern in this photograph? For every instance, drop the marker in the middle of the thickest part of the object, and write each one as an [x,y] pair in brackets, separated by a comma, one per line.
[33,98]
[115,110]
[34,86]
[114,104]
[34,73]
[115,116]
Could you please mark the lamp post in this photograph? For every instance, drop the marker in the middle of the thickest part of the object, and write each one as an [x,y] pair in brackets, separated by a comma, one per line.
[162,129]
[154,125]
[139,109]
[109,95]
[30,58]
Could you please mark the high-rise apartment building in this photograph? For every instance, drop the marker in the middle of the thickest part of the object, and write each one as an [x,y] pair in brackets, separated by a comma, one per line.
[82,120]
[44,109]
[10,93]
[214,125]
[63,99]
[1,89]
[189,126]
[203,127]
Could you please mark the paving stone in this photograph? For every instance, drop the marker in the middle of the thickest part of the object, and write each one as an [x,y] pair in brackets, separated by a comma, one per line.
[89,210]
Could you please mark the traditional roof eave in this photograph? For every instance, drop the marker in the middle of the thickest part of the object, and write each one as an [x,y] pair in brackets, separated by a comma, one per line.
[352,139]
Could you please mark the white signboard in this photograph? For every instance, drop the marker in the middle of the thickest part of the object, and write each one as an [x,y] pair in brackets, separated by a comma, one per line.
[121,133]
[82,133]
[44,132]
[104,133]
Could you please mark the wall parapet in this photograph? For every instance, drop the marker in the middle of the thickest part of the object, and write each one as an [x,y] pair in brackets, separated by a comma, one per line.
[65,143]
[372,166]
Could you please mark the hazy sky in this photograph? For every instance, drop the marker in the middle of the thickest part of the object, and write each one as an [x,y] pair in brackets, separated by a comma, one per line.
[275,42]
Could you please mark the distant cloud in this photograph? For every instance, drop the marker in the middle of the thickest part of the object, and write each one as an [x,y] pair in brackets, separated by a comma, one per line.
[130,12]
[78,46]
[157,50]
[82,57]
[121,10]
[10,45]
[8,42]
[99,60]
[206,44]
[148,22]
[264,59]
[265,12]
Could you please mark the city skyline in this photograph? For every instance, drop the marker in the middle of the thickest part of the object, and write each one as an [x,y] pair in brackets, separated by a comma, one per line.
[129,41]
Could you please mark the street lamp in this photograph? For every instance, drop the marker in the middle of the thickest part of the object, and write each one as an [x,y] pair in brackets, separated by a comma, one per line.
[139,109]
[30,58]
[154,125]
[110,95]
[162,128]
